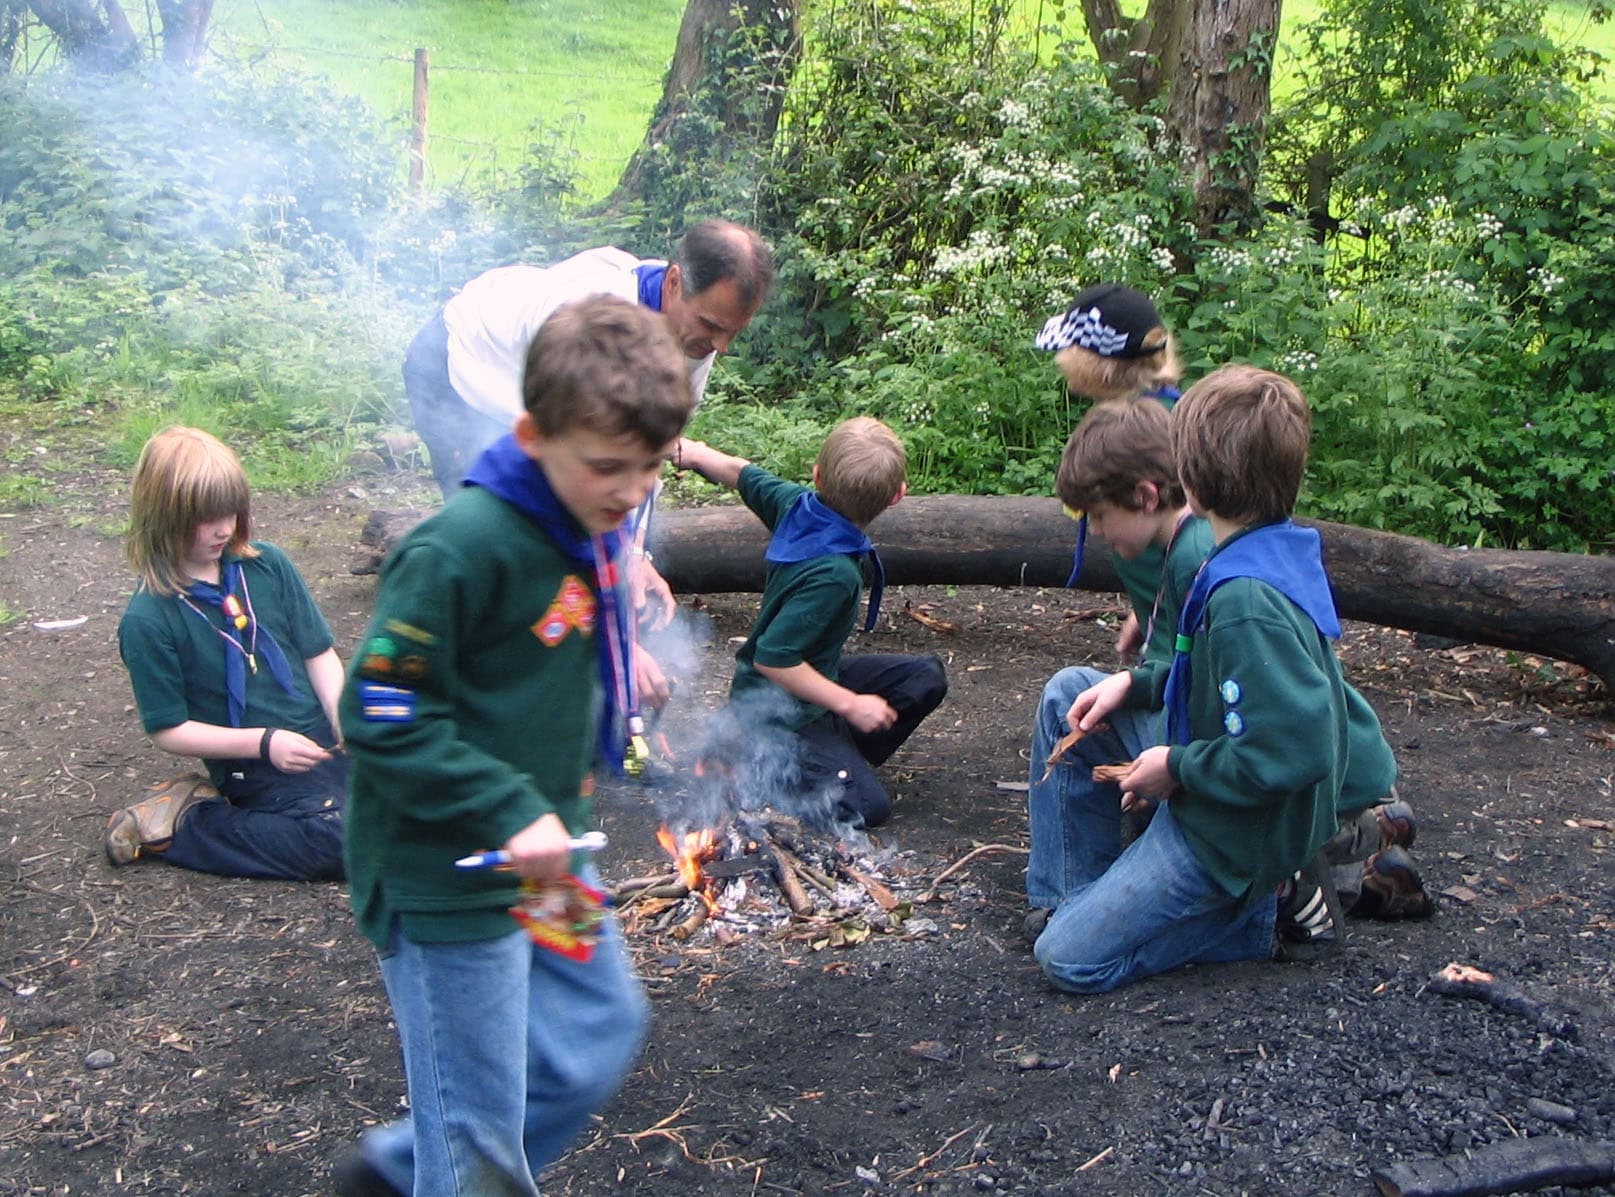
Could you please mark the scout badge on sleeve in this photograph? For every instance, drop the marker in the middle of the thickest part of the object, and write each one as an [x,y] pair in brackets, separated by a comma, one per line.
[563,916]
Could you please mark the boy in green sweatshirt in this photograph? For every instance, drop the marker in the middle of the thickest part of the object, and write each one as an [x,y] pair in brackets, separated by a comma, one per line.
[1117,466]
[1257,713]
[497,665]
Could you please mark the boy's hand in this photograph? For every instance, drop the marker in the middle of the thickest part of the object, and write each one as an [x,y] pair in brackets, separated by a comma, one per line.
[1149,778]
[651,595]
[1131,637]
[291,752]
[539,851]
[869,713]
[1097,701]
[654,688]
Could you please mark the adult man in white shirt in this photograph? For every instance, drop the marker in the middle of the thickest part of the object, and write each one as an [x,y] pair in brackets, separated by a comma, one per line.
[463,371]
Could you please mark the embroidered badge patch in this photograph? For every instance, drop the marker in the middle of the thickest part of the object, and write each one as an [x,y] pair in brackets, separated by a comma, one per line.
[377,658]
[1233,723]
[386,704]
[572,607]
[1231,693]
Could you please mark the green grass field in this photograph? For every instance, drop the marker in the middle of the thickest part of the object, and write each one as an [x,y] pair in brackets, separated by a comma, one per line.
[589,69]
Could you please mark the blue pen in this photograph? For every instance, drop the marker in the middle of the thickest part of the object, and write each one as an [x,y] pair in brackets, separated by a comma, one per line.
[589,841]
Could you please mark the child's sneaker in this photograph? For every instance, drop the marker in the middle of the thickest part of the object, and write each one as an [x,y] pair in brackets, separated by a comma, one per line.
[1392,888]
[1303,912]
[148,826]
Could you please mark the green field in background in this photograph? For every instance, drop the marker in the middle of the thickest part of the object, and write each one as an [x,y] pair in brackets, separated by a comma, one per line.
[590,70]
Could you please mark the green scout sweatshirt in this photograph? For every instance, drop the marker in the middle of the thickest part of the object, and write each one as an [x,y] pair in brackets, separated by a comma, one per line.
[483,638]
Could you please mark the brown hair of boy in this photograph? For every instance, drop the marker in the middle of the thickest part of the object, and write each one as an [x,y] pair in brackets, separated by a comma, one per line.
[1239,441]
[861,469]
[1118,444]
[1099,378]
[609,366]
[185,478]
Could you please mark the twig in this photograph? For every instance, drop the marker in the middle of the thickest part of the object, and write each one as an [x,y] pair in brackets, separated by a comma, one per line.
[979,850]
[1098,1159]
[925,1160]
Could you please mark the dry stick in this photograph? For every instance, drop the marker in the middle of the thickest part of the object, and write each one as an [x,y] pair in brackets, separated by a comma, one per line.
[1098,1159]
[809,874]
[883,897]
[925,1160]
[790,885]
[692,924]
[978,850]
[1112,772]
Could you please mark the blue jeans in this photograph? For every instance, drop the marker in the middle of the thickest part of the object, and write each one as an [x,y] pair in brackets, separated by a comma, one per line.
[508,1049]
[284,826]
[1154,909]
[1075,822]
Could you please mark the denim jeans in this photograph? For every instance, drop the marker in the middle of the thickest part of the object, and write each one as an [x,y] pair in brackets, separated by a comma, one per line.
[508,1049]
[269,824]
[1075,822]
[1152,910]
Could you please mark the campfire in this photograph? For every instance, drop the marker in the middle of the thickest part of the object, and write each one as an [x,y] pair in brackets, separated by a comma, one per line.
[763,870]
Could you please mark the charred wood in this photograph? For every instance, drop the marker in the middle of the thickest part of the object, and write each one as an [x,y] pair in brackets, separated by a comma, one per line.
[1512,1166]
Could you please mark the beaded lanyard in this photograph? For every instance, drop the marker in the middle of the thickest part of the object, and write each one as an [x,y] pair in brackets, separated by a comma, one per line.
[241,619]
[1155,608]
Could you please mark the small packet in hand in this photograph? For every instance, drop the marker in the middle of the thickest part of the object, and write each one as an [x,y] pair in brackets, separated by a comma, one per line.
[563,916]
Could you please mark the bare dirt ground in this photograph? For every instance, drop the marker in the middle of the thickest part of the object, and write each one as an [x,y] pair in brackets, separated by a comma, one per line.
[166,1033]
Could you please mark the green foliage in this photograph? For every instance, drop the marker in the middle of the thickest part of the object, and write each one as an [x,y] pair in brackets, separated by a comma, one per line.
[936,194]
[187,250]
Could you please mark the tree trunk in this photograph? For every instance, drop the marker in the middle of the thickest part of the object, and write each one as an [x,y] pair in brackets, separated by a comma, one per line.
[721,103]
[94,34]
[1219,105]
[1557,605]
[185,24]
[1141,53]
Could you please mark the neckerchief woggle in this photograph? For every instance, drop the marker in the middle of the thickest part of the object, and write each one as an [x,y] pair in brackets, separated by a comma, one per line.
[232,598]
[811,529]
[505,471]
[1286,557]
[1167,397]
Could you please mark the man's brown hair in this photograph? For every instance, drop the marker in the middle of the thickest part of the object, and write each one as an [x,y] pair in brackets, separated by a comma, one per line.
[1239,441]
[861,468]
[718,250]
[609,366]
[185,478]
[1116,446]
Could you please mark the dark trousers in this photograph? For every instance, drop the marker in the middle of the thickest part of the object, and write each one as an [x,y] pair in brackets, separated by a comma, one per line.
[833,755]
[454,432]
[285,826]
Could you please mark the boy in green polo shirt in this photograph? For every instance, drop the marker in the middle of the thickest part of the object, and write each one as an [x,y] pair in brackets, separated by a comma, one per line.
[831,721]
[1243,801]
[473,711]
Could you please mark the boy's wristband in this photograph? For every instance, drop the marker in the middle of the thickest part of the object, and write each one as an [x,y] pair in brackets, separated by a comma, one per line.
[263,744]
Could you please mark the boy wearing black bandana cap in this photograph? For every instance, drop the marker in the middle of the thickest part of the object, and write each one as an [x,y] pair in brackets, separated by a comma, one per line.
[838,718]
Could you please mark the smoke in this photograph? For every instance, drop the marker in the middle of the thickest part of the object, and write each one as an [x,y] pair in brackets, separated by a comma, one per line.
[733,757]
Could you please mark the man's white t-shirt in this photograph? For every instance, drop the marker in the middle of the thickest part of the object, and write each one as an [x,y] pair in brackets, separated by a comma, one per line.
[494,317]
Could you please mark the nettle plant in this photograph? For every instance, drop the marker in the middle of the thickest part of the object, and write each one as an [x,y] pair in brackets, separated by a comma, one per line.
[944,193]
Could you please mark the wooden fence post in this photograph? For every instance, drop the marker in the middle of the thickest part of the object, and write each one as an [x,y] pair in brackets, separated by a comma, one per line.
[417,131]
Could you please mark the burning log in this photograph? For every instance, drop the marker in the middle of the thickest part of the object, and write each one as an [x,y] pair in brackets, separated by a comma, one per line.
[690,925]
[1466,981]
[1560,605]
[1512,1166]
[790,886]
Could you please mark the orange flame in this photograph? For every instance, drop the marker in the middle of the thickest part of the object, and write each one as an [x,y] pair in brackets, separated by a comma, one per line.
[688,852]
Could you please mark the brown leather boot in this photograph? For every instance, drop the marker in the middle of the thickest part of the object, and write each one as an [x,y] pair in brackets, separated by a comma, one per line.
[147,827]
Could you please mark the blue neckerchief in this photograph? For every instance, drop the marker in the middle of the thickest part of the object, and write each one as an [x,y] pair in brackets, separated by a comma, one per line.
[812,529]
[505,471]
[650,285]
[1168,395]
[248,641]
[1286,557]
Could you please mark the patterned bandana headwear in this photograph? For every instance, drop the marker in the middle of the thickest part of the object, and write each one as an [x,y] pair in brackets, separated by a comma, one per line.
[1110,320]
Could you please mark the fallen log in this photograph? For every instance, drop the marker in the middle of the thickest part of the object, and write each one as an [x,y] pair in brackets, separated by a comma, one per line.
[1512,1166]
[1559,605]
